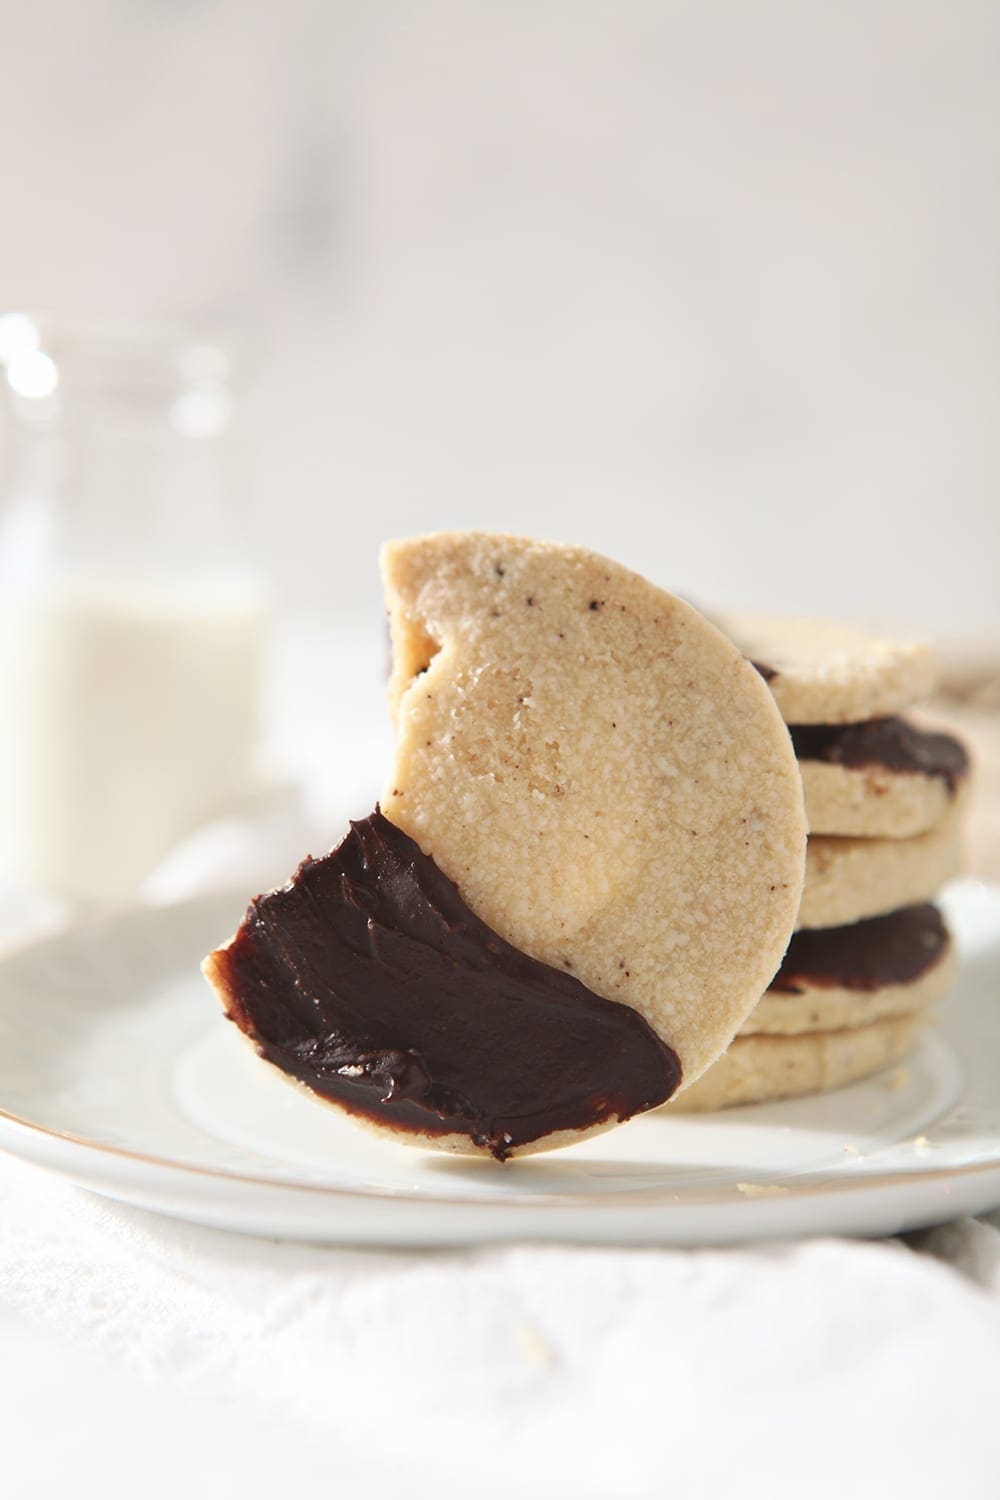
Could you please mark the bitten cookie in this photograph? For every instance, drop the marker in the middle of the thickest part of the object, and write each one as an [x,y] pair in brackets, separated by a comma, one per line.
[851,878]
[881,779]
[833,978]
[822,672]
[761,1068]
[603,776]
[586,868]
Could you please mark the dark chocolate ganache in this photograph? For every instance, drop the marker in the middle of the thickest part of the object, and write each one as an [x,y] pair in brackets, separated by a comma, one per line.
[889,742]
[894,949]
[369,979]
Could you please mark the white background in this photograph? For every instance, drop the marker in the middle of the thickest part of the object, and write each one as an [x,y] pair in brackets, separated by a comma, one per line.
[709,286]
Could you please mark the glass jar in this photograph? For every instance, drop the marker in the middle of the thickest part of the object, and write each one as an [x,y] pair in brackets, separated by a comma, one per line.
[131,626]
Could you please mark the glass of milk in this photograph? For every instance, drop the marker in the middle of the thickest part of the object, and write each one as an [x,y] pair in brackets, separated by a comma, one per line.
[131,628]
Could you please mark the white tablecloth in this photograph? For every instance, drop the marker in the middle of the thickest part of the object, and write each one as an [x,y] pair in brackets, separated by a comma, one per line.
[142,1355]
[145,1356]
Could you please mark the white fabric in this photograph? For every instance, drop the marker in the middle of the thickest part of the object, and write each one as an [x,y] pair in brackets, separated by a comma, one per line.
[786,1370]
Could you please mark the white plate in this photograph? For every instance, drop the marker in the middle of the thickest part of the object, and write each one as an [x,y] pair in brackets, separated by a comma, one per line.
[118,1071]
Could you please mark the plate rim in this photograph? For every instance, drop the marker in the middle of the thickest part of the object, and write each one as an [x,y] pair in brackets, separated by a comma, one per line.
[804,1186]
[800,1187]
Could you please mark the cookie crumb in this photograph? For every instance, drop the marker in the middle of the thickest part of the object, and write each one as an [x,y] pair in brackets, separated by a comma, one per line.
[534,1348]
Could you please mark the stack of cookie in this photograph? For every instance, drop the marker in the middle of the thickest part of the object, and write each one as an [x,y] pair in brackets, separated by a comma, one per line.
[871,952]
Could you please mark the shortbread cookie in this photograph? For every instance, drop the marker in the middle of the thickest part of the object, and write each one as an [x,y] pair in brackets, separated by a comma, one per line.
[821,672]
[592,867]
[833,978]
[881,779]
[761,1068]
[588,759]
[851,878]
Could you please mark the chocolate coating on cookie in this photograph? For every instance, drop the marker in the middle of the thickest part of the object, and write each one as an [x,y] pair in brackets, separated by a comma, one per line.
[894,949]
[890,742]
[369,979]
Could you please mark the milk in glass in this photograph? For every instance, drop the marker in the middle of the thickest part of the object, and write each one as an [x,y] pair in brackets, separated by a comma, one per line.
[131,636]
